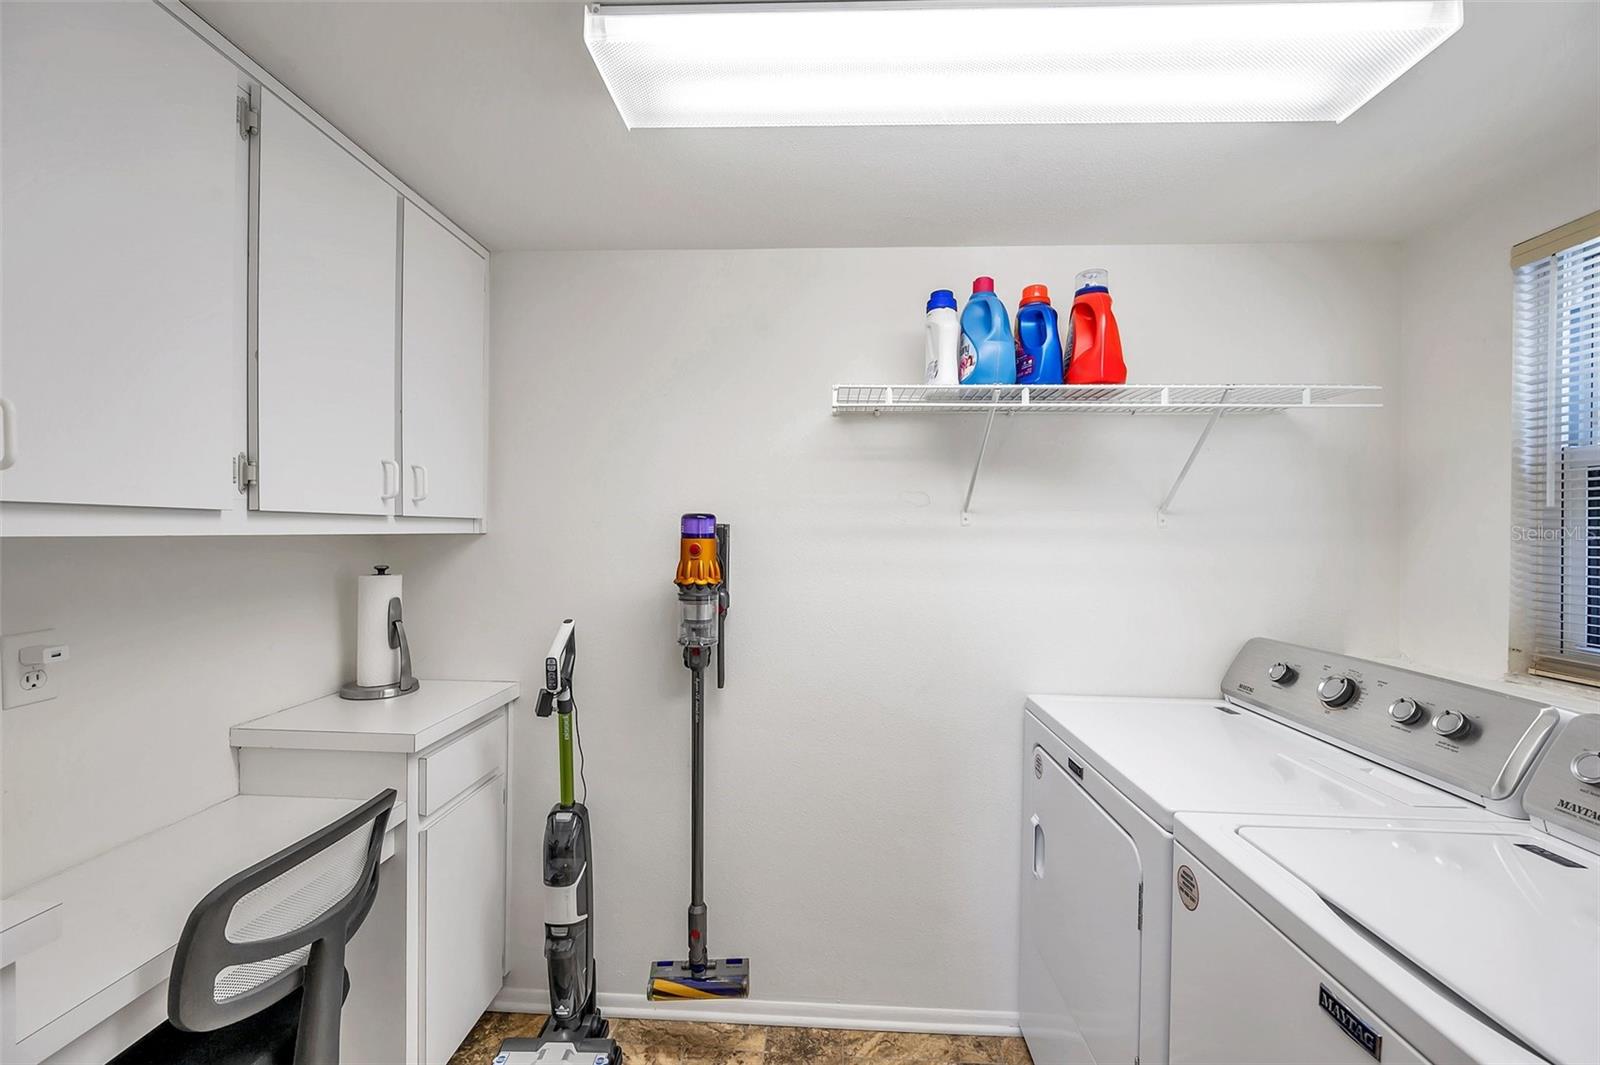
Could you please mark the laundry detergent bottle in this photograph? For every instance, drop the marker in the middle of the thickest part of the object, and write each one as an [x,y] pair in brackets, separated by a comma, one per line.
[988,356]
[944,333]
[1038,339]
[1094,347]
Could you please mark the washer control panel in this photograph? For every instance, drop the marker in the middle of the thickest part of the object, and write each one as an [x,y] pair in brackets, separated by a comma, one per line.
[1565,789]
[1477,742]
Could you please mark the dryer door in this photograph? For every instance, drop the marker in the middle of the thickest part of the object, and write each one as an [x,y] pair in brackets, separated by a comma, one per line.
[1080,923]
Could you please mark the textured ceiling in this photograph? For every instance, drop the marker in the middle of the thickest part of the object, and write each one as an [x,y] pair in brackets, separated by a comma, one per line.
[495,113]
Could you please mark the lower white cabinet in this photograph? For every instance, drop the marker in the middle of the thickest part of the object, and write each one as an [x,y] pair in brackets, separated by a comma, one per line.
[444,750]
[463,859]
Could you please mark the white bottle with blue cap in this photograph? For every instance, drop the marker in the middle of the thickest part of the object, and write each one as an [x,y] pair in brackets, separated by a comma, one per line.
[944,339]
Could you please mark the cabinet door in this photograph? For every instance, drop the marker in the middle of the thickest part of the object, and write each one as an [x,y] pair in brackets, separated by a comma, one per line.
[442,300]
[124,220]
[463,916]
[326,274]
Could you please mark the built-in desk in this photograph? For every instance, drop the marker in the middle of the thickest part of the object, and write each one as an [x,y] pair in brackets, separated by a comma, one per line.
[445,749]
[85,954]
[93,944]
[406,725]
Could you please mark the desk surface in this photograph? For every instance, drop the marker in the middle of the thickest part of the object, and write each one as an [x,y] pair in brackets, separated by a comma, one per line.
[122,912]
[406,724]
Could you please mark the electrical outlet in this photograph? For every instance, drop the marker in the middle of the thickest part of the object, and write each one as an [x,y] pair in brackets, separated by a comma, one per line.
[24,685]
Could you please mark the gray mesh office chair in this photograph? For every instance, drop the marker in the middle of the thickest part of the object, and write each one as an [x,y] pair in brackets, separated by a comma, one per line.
[259,977]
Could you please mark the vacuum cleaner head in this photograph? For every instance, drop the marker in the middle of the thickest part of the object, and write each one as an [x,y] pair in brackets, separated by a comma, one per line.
[722,978]
[571,1051]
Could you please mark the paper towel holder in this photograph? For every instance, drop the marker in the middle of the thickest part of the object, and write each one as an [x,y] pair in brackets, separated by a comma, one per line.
[407,683]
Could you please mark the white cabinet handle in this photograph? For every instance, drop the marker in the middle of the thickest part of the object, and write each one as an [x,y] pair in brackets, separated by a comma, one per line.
[391,476]
[8,436]
[419,483]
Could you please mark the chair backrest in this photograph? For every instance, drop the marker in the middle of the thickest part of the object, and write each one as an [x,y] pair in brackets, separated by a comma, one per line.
[281,924]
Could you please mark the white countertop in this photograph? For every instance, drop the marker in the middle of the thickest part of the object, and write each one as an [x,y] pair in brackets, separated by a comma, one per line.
[26,925]
[121,912]
[405,724]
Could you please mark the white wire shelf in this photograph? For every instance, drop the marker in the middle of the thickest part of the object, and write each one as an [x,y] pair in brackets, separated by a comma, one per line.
[1099,399]
[1213,401]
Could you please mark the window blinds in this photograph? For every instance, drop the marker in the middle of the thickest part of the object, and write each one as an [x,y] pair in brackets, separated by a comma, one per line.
[1556,496]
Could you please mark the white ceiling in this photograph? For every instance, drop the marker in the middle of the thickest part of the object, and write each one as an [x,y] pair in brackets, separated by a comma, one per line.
[495,113]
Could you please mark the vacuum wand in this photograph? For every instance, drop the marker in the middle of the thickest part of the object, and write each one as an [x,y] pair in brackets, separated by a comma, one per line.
[702,581]
[697,878]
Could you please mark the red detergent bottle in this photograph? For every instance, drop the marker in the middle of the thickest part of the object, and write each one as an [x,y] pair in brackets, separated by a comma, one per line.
[1094,346]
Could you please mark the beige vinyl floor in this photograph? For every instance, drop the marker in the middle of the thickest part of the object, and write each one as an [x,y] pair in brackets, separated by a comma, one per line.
[656,1042]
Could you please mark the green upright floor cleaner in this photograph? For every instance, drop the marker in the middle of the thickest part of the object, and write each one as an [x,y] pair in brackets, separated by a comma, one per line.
[575,1031]
[702,580]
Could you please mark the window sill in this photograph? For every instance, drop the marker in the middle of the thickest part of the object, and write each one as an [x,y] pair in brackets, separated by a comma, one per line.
[1562,693]
[1574,694]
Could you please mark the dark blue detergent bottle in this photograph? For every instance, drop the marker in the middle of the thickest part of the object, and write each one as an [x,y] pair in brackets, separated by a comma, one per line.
[1038,339]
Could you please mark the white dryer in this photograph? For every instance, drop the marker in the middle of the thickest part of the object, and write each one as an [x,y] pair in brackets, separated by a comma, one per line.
[1105,778]
[1307,939]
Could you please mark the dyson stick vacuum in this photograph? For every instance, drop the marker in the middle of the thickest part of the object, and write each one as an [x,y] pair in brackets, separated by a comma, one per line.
[702,580]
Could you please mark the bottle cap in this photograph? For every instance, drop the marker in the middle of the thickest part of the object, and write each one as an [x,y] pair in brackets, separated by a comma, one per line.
[982,284]
[1035,294]
[942,298]
[1093,280]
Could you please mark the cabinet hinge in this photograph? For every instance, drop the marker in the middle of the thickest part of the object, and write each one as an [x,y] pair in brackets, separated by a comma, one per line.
[249,118]
[245,473]
[1140,924]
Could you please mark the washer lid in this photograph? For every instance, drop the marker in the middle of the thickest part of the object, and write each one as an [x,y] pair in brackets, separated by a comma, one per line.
[1507,920]
[1168,755]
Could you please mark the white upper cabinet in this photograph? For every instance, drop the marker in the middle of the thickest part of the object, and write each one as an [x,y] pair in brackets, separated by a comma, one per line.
[187,283]
[442,301]
[120,350]
[324,394]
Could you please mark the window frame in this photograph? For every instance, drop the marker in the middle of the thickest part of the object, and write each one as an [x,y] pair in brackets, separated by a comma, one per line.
[1555,593]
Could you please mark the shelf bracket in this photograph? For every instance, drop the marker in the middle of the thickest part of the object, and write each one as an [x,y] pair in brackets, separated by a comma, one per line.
[966,504]
[1211,423]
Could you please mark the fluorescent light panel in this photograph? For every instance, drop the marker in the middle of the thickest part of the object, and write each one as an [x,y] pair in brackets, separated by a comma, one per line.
[914,64]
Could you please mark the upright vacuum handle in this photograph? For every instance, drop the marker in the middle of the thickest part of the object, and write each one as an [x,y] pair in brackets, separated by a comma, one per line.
[724,557]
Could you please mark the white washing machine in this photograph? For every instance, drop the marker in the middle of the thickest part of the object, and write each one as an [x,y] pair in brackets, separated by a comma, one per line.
[1302,939]
[1104,779]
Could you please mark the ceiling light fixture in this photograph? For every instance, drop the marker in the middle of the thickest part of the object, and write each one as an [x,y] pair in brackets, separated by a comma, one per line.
[919,63]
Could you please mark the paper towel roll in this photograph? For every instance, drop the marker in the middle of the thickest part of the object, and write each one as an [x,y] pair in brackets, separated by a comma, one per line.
[376,662]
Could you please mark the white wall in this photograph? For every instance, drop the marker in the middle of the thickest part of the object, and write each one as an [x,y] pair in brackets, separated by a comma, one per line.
[173,641]
[863,762]
[1456,418]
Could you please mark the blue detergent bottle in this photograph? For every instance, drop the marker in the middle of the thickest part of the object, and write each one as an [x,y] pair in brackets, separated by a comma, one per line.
[1038,339]
[988,357]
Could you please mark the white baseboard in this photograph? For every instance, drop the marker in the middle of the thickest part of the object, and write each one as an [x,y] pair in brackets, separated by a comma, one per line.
[793,1014]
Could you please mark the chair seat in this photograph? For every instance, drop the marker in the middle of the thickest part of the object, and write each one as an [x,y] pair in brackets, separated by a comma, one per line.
[264,1039]
[267,1038]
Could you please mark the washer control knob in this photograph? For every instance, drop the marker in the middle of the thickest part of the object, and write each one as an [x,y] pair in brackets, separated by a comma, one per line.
[1452,725]
[1406,711]
[1281,673]
[1336,691]
[1586,767]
